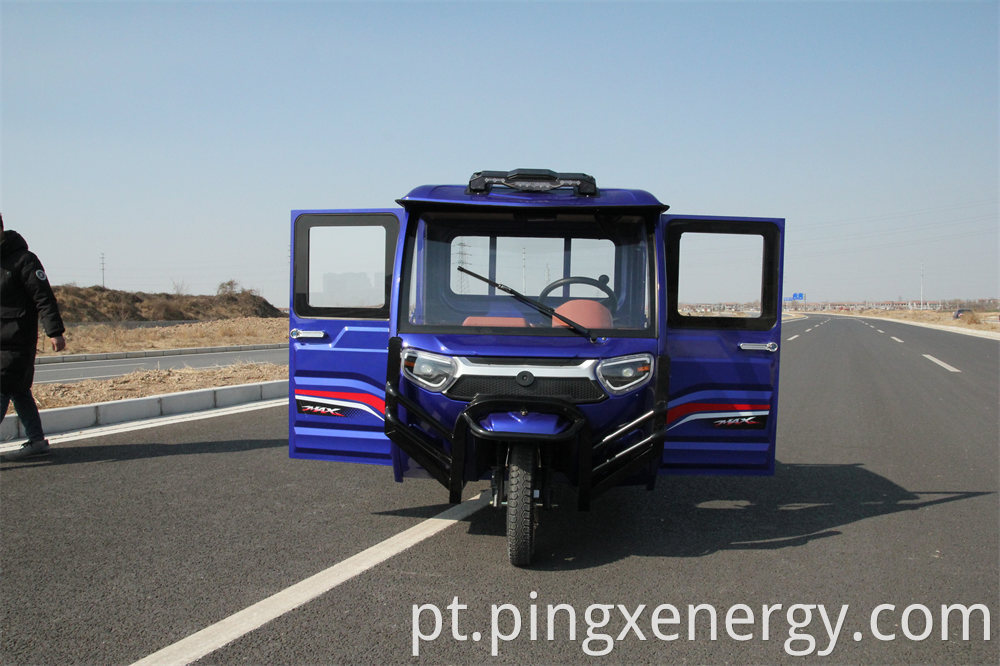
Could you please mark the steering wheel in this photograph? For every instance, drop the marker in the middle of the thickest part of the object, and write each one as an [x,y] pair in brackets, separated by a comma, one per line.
[579,279]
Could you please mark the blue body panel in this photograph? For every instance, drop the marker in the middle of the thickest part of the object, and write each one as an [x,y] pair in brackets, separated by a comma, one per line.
[337,381]
[524,424]
[713,381]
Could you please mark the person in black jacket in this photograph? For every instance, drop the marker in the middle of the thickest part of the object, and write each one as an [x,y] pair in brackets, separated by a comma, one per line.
[25,294]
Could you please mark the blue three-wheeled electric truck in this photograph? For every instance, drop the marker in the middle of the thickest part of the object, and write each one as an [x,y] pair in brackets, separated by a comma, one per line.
[532,328]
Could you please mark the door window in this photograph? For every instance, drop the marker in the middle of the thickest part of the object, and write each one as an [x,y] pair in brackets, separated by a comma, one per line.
[343,265]
[722,274]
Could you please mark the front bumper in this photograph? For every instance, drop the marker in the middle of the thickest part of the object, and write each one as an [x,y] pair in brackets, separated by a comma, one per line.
[454,455]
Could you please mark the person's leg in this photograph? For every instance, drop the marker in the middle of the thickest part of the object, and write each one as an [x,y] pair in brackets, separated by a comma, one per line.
[27,411]
[18,371]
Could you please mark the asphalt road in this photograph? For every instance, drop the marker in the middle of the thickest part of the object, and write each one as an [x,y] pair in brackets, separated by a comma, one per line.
[886,493]
[72,371]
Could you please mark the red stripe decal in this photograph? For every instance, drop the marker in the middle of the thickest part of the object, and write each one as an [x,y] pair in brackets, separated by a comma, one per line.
[376,403]
[680,411]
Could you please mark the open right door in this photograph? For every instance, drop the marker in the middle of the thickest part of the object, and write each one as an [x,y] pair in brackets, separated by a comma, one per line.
[723,305]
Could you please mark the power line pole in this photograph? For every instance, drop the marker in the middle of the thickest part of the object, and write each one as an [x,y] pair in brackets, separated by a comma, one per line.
[463,260]
[921,286]
[102,269]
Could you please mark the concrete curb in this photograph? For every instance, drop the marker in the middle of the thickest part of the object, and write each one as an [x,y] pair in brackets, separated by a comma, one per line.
[70,358]
[69,419]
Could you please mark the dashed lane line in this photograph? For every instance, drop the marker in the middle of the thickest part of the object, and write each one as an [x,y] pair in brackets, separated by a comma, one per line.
[896,339]
[793,337]
[941,363]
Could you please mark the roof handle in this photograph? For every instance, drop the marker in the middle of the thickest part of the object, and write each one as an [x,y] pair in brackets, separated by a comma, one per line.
[533,180]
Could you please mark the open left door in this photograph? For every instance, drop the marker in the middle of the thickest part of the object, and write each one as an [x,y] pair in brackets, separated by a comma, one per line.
[723,336]
[339,320]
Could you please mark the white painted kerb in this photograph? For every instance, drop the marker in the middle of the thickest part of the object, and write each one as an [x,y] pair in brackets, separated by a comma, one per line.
[69,419]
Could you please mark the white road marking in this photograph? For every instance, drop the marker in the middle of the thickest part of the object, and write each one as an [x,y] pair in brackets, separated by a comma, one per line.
[55,367]
[807,330]
[70,380]
[880,330]
[101,431]
[792,338]
[896,339]
[212,638]
[941,363]
[63,369]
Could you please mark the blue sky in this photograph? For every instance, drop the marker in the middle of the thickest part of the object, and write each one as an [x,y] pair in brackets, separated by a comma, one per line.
[175,137]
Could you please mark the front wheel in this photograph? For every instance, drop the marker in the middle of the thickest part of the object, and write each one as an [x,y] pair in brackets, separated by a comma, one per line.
[522,515]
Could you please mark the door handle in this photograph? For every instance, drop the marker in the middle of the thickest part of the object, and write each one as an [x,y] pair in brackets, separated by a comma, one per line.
[296,334]
[759,346]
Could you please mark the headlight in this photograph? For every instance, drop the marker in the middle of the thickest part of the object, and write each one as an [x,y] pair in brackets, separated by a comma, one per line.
[621,375]
[433,372]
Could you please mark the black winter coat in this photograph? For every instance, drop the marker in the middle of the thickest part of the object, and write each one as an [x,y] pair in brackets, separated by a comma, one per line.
[25,294]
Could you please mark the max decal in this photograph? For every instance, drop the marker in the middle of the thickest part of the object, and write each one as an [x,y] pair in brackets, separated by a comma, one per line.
[322,410]
[339,404]
[757,422]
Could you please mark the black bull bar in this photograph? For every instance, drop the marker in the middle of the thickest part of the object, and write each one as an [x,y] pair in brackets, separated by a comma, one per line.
[447,464]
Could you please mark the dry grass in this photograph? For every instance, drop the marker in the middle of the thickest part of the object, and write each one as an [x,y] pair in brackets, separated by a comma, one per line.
[144,383]
[98,338]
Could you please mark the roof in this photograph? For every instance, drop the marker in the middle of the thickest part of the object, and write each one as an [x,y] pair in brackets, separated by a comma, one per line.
[531,188]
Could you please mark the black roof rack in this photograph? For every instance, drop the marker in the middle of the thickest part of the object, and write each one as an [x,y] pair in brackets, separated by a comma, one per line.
[533,180]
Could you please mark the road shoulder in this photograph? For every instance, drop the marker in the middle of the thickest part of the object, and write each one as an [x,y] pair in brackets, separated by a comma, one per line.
[951,329]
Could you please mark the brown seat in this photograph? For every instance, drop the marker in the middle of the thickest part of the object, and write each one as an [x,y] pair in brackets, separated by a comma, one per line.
[585,312]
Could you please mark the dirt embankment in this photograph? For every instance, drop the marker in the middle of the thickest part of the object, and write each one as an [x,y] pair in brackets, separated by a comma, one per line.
[97,304]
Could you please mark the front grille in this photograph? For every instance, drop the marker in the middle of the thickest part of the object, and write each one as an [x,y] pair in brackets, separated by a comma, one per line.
[570,389]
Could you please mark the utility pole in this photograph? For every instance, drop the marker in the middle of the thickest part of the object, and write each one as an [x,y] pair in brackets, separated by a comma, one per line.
[921,286]
[102,269]
[463,260]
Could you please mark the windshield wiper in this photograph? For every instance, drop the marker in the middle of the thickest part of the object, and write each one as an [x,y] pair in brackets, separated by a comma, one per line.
[541,307]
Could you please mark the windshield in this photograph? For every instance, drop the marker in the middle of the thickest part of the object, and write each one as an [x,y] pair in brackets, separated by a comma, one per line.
[466,272]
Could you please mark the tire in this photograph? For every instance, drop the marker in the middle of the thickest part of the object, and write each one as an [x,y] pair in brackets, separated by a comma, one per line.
[522,516]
